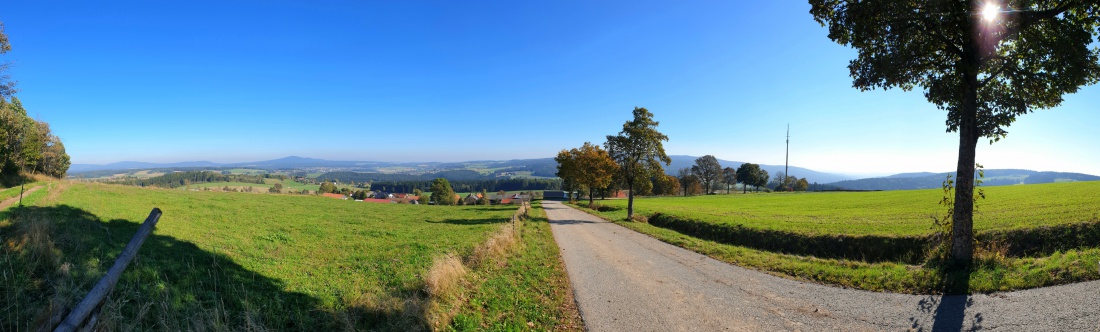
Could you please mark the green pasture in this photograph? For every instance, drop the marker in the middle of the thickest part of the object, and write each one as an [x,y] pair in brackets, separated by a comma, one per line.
[224,261]
[887,213]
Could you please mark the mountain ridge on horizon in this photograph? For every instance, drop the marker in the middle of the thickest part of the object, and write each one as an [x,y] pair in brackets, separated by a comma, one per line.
[678,161]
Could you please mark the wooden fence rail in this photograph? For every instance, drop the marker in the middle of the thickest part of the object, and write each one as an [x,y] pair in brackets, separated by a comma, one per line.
[78,317]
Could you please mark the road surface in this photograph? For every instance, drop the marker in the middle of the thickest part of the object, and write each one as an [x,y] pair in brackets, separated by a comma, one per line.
[627,281]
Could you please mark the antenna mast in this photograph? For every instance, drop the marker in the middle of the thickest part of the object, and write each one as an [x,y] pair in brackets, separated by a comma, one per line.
[787,162]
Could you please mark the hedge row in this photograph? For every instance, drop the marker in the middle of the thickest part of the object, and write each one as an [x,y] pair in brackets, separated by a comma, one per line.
[1039,241]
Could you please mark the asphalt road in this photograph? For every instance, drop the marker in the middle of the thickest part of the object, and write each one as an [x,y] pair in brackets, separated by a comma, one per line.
[626,281]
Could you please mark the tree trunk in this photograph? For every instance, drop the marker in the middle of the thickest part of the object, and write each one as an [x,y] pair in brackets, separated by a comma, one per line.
[630,201]
[591,194]
[962,221]
[962,227]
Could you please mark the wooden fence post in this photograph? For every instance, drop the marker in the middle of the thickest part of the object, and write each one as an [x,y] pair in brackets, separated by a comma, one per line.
[95,297]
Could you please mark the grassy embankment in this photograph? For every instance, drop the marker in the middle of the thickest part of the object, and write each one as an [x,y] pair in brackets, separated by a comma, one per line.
[1029,236]
[222,261]
[527,291]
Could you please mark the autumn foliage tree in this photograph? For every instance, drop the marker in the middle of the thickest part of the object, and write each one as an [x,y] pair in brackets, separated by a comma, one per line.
[588,166]
[639,151]
[664,184]
[984,62]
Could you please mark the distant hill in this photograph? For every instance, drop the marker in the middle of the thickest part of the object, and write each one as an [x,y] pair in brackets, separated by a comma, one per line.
[299,162]
[127,165]
[993,177]
[540,167]
[681,161]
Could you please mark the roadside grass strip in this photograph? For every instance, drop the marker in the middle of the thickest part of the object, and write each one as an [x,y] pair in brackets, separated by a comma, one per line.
[526,290]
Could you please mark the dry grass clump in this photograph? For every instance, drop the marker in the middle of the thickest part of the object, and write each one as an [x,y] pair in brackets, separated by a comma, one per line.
[493,249]
[444,276]
[445,280]
[443,284]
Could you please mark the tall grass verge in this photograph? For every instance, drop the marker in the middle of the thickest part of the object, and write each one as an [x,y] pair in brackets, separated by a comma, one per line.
[525,289]
[446,281]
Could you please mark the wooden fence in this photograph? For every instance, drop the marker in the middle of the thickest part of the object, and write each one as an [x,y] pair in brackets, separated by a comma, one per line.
[79,318]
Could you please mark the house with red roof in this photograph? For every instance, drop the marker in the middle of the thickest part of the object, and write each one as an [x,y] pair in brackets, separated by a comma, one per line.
[334,195]
[377,200]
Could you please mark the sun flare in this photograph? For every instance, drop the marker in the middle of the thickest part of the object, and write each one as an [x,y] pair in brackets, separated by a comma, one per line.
[989,13]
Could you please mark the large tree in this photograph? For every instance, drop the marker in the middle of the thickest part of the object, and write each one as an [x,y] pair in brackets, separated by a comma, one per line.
[761,177]
[708,170]
[639,151]
[589,166]
[442,193]
[747,174]
[729,177]
[664,184]
[567,171]
[984,62]
[687,180]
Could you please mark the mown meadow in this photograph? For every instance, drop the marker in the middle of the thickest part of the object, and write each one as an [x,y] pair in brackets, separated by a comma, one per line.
[230,261]
[1028,235]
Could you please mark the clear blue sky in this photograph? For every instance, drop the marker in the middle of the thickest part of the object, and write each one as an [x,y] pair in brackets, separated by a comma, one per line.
[231,81]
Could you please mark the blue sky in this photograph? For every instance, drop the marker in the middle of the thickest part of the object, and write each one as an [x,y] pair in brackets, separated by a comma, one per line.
[230,81]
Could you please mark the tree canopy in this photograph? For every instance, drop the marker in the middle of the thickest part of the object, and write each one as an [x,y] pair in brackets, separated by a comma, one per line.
[442,194]
[750,174]
[589,167]
[729,177]
[7,86]
[708,170]
[983,69]
[639,151]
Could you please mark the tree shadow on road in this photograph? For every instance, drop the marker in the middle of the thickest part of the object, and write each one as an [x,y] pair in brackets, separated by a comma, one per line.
[949,311]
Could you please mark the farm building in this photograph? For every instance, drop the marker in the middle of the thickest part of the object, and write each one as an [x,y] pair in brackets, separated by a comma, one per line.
[554,194]
[377,200]
[471,199]
[332,195]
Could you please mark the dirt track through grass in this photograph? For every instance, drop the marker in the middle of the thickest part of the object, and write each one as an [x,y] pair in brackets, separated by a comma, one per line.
[11,201]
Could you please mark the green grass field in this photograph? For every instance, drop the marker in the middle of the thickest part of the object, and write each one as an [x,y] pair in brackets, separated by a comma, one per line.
[893,213]
[224,261]
[1028,236]
[295,186]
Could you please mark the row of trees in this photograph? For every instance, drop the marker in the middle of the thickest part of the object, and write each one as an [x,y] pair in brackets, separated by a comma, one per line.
[707,173]
[591,169]
[469,185]
[28,145]
[181,179]
[632,160]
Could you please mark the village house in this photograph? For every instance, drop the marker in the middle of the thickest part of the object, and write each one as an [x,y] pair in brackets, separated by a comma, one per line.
[471,199]
[334,195]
